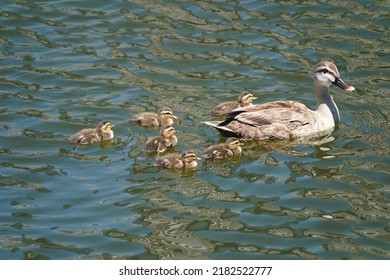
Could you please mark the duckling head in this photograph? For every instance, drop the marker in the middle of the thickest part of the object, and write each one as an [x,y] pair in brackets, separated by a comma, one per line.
[189,158]
[326,73]
[233,143]
[166,114]
[104,127]
[168,131]
[246,98]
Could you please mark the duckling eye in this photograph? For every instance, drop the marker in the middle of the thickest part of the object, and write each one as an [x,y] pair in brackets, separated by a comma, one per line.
[325,71]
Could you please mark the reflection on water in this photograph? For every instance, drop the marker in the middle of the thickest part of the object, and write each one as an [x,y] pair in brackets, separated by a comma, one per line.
[65,66]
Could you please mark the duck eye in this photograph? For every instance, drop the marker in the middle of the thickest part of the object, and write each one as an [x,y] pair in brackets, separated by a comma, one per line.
[325,71]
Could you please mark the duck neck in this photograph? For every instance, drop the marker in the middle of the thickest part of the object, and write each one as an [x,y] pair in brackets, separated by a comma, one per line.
[191,164]
[173,140]
[324,99]
[104,136]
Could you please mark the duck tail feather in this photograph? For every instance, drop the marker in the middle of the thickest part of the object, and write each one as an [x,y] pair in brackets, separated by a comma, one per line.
[223,130]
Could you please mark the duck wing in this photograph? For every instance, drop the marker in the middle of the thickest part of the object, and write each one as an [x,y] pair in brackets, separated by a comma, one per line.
[272,120]
[289,113]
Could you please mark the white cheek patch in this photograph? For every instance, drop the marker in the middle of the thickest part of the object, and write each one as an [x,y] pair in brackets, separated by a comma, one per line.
[331,77]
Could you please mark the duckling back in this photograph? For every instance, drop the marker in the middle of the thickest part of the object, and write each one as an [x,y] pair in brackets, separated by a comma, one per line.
[102,132]
[171,161]
[166,139]
[146,119]
[245,99]
[164,117]
[225,108]
[232,147]
[157,144]
[185,160]
[85,136]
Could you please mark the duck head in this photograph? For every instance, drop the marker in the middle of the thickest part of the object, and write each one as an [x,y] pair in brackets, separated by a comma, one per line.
[326,73]
[168,131]
[104,127]
[166,114]
[246,98]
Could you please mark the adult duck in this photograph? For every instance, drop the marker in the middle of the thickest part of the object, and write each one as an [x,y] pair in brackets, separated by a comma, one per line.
[288,119]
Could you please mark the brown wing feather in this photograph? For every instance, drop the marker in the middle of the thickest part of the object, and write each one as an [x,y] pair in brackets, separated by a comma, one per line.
[271,105]
[270,120]
[289,113]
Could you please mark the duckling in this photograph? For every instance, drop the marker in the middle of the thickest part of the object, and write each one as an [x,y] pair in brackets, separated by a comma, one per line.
[288,119]
[102,132]
[232,147]
[245,99]
[185,160]
[161,143]
[164,117]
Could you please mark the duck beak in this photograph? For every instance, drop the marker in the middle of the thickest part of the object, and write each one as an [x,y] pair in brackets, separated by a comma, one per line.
[341,84]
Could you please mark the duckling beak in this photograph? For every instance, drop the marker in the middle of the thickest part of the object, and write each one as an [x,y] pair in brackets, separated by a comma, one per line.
[173,116]
[254,97]
[343,85]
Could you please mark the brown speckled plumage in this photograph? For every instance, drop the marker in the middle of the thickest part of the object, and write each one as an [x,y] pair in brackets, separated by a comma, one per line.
[161,143]
[245,99]
[164,117]
[232,147]
[102,132]
[185,160]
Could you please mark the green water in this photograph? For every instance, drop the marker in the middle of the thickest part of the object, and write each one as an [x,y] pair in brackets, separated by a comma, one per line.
[65,65]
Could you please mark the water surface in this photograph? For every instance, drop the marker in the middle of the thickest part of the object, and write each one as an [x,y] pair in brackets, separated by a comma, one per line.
[66,65]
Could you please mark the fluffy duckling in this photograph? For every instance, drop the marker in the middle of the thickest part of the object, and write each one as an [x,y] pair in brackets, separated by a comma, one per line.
[232,147]
[161,143]
[164,117]
[102,132]
[245,99]
[185,160]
